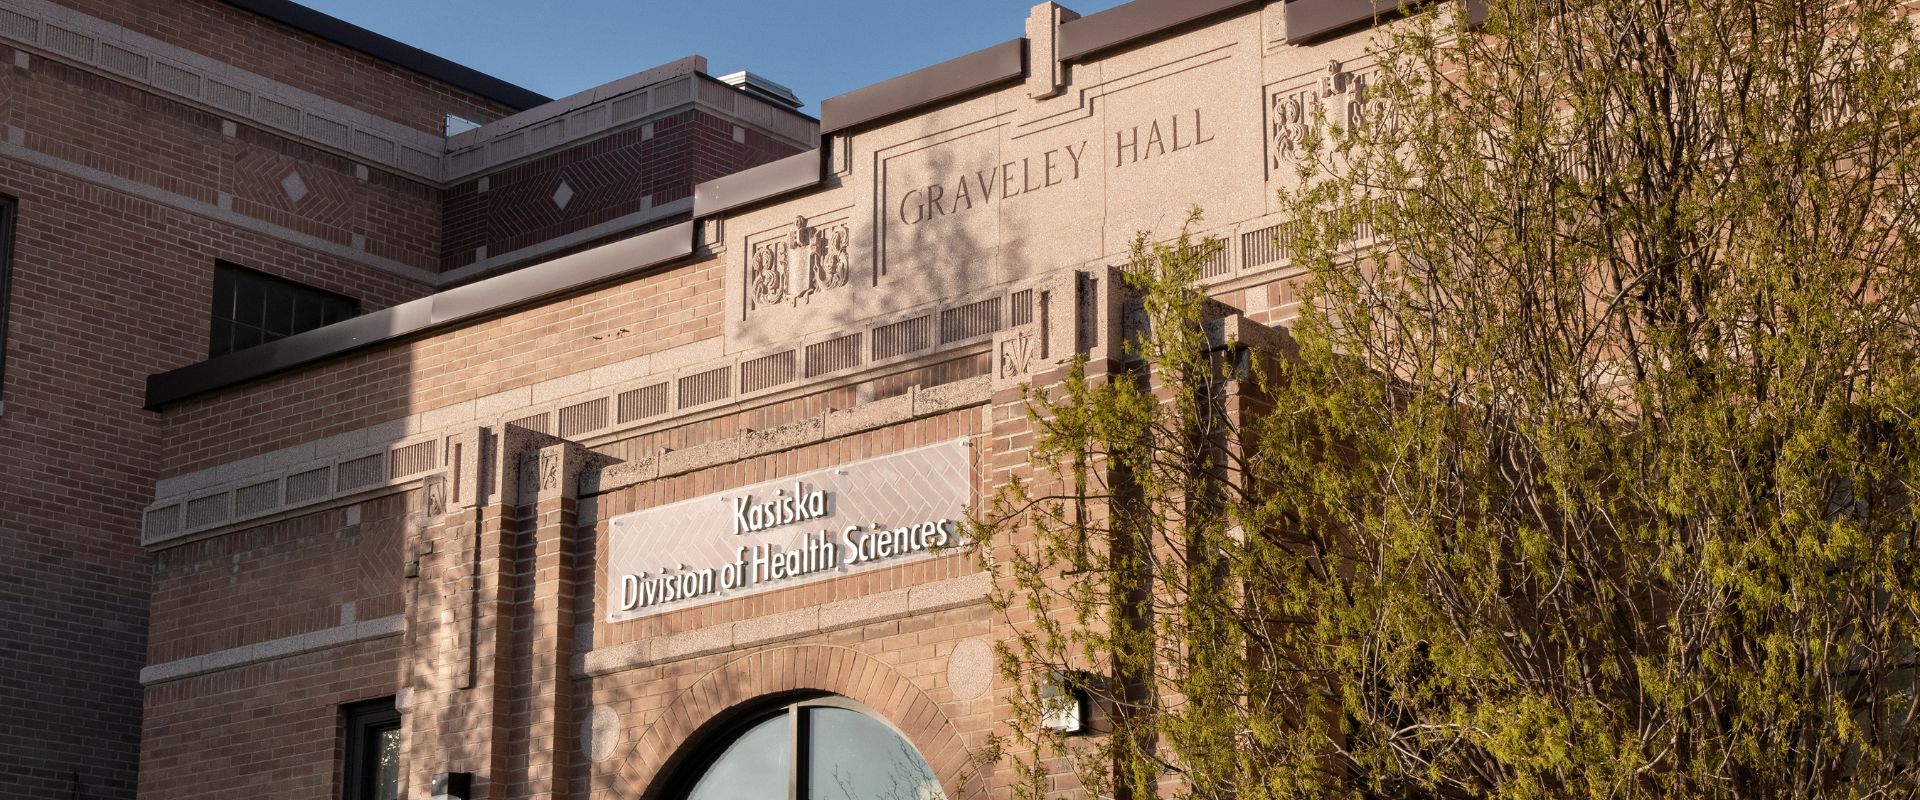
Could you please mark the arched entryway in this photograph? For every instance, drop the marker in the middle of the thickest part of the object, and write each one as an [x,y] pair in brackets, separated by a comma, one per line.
[816,748]
[725,706]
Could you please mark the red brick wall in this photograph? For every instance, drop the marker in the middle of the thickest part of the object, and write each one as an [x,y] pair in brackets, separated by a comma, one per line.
[279,52]
[107,288]
[159,142]
[608,177]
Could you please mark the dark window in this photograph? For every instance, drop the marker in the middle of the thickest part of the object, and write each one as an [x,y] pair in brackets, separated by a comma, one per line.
[371,765]
[822,749]
[252,308]
[6,280]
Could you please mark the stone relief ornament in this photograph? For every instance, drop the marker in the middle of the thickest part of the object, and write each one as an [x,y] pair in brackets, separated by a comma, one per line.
[807,260]
[1016,356]
[1339,99]
[436,497]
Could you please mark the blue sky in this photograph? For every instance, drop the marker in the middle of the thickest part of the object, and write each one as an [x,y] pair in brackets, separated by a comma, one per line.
[819,48]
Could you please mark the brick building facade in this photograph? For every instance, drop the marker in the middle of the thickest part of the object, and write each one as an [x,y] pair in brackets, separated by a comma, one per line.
[145,143]
[495,505]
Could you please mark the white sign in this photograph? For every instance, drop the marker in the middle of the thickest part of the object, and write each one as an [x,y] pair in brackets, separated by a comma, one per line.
[865,515]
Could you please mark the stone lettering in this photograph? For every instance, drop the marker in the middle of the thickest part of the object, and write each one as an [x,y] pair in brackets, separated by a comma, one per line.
[999,183]
[1159,141]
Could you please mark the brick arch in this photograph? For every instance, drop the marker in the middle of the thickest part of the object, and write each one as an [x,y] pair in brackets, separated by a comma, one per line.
[693,714]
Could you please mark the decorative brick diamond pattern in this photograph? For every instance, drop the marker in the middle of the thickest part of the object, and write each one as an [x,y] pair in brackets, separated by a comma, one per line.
[295,187]
[908,488]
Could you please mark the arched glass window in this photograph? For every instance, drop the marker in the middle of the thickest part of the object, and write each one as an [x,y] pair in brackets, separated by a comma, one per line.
[821,749]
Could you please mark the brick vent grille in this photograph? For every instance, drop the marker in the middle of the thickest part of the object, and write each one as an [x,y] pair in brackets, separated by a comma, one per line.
[412,459]
[1270,245]
[163,521]
[833,355]
[537,422]
[1020,307]
[1216,263]
[903,337]
[206,510]
[257,498]
[970,320]
[588,416]
[646,401]
[308,485]
[360,472]
[767,371]
[706,387]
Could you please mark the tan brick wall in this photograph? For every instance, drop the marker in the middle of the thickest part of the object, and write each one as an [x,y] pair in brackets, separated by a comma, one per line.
[266,730]
[897,667]
[660,311]
[301,575]
[271,727]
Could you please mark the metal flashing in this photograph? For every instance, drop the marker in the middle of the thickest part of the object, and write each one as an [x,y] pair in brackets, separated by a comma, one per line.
[349,35]
[559,276]
[1312,19]
[763,182]
[1137,20]
[952,78]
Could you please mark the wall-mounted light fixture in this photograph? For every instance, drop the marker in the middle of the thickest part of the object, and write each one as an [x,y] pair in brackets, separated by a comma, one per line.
[453,786]
[1063,702]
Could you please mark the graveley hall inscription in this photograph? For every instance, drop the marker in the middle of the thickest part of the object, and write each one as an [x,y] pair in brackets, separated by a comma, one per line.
[1036,173]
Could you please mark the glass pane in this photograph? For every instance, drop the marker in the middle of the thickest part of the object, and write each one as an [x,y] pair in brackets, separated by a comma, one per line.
[245,337]
[851,756]
[279,316]
[755,766]
[221,341]
[386,770]
[250,300]
[307,314]
[335,312]
[223,290]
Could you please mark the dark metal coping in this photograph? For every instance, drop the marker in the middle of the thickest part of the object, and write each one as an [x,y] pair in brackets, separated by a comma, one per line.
[763,182]
[1315,19]
[347,34]
[464,304]
[969,73]
[1136,20]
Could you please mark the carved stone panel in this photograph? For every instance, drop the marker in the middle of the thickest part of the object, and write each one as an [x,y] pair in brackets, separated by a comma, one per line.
[997,188]
[1324,106]
[791,268]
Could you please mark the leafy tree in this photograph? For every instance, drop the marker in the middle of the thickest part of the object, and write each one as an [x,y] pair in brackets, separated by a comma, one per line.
[1587,469]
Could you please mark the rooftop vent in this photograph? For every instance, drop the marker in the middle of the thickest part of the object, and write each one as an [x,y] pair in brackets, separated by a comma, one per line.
[762,88]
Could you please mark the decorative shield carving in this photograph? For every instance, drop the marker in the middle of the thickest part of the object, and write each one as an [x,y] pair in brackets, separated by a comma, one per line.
[807,260]
[1339,99]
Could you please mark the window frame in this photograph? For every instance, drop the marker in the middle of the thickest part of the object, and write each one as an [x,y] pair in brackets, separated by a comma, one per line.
[362,723]
[328,307]
[709,748]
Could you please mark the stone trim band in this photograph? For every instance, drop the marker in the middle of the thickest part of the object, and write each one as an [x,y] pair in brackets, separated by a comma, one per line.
[273,648]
